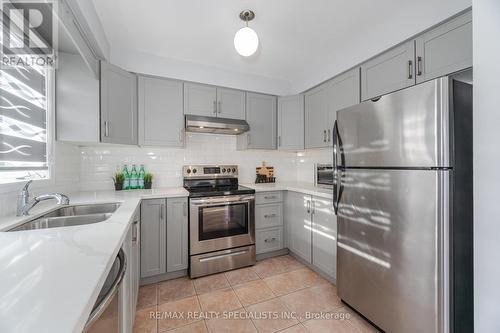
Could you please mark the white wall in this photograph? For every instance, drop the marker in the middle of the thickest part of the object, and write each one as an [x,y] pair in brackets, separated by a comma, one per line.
[99,162]
[65,178]
[486,32]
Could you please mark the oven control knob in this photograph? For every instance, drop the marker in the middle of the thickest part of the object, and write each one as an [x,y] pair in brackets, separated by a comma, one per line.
[234,170]
[223,170]
[188,170]
[194,170]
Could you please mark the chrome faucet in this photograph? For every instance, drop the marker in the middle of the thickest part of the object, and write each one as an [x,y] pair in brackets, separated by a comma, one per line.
[24,204]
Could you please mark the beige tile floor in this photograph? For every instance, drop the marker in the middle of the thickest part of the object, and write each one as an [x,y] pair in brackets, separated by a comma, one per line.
[276,295]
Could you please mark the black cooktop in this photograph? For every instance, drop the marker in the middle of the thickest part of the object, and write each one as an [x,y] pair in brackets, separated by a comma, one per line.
[213,191]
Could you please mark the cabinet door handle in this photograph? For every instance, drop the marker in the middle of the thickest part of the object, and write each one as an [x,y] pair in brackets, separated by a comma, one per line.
[329,135]
[106,128]
[220,109]
[308,206]
[279,141]
[410,69]
[184,209]
[269,240]
[313,204]
[215,107]
[134,231]
[248,137]
[419,66]
[324,135]
[270,216]
[181,136]
[162,207]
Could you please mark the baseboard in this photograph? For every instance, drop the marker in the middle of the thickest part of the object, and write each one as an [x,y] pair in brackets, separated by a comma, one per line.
[163,277]
[266,255]
[324,275]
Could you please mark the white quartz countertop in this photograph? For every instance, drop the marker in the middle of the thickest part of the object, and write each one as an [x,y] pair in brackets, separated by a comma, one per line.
[301,187]
[50,278]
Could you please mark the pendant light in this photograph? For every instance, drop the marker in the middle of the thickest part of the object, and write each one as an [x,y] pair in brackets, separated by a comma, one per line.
[246,40]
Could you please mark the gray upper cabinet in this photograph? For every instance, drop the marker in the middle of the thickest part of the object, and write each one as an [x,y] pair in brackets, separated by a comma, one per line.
[261,116]
[177,234]
[324,235]
[153,237]
[390,71]
[77,100]
[118,105]
[230,103]
[161,118]
[298,224]
[200,99]
[316,108]
[291,122]
[445,49]
[343,91]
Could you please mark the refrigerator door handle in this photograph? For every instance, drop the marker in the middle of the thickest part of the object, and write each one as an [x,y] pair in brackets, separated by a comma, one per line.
[336,174]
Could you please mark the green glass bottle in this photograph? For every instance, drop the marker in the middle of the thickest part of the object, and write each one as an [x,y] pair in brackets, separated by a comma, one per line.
[134,177]
[126,181]
[141,176]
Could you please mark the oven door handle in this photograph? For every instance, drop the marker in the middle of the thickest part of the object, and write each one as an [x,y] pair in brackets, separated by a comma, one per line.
[219,201]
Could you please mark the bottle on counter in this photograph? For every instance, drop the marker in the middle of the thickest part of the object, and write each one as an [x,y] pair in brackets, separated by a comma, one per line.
[142,172]
[126,175]
[134,178]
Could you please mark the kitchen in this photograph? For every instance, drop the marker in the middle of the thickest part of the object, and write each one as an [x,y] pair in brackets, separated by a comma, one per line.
[195,184]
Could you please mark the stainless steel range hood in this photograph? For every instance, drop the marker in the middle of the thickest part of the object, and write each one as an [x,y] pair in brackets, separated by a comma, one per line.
[202,124]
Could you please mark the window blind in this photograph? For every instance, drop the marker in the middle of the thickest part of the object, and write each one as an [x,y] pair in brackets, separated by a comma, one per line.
[23,117]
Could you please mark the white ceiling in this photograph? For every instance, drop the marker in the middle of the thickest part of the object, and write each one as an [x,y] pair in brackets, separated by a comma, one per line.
[301,42]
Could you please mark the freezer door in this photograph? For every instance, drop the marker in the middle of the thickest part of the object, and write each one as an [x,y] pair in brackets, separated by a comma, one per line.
[392,266]
[408,128]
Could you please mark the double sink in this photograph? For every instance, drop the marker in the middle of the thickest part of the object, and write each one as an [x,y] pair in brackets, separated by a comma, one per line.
[71,215]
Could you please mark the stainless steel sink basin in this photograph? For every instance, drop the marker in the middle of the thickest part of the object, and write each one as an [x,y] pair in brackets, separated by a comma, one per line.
[71,216]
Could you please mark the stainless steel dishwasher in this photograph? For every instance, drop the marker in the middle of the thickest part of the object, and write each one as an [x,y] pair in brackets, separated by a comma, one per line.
[105,317]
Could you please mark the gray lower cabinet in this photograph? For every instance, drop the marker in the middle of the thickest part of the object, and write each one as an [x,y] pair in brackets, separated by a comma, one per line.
[261,116]
[161,114]
[177,234]
[298,224]
[118,105]
[311,231]
[230,103]
[164,236]
[445,49]
[153,237]
[324,235]
[291,122]
[200,99]
[131,278]
[269,222]
[390,71]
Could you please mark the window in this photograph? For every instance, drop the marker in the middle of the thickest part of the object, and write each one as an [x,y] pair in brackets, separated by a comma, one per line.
[23,123]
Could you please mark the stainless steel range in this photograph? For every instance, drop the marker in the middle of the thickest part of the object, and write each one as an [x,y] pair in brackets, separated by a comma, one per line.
[221,219]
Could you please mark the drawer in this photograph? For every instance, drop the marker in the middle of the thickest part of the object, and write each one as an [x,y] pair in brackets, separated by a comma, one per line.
[268,240]
[268,197]
[268,215]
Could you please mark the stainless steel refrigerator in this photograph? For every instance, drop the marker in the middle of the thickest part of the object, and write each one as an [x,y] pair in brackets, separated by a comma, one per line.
[403,198]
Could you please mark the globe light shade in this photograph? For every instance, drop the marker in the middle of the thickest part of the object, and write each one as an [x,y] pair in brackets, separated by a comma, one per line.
[246,41]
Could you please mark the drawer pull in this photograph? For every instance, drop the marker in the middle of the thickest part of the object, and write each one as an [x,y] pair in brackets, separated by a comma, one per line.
[270,197]
[270,216]
[269,240]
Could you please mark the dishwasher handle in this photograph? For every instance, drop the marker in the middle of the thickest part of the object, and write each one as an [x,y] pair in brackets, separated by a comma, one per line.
[101,307]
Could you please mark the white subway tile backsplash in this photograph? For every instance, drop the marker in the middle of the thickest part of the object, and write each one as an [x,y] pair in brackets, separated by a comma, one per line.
[99,163]
[91,167]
